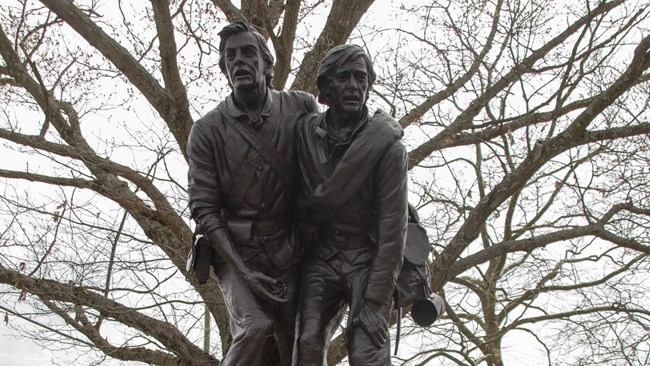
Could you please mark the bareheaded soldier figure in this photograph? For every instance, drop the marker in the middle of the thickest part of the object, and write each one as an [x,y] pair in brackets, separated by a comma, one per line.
[354,174]
[242,196]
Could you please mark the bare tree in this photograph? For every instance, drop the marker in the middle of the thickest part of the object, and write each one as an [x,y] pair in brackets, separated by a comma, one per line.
[528,129]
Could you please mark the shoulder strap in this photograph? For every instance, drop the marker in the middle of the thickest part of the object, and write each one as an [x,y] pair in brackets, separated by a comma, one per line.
[247,171]
[380,132]
[277,162]
[240,187]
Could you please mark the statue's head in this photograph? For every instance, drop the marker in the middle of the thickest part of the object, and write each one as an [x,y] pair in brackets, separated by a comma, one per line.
[244,57]
[345,77]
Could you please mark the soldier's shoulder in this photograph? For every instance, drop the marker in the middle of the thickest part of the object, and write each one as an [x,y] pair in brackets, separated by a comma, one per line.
[397,152]
[213,117]
[299,94]
[310,123]
[304,98]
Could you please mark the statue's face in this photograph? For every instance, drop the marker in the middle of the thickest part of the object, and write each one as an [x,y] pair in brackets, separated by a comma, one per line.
[244,63]
[348,88]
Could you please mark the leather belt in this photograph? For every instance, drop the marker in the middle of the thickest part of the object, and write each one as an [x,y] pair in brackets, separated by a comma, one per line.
[343,241]
[268,227]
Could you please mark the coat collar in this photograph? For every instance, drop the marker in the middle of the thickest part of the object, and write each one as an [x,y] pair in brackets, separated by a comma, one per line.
[235,112]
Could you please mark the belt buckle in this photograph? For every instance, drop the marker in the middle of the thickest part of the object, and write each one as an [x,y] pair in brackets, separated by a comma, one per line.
[266,227]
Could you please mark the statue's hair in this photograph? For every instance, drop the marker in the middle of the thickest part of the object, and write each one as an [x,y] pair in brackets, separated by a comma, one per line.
[241,27]
[334,59]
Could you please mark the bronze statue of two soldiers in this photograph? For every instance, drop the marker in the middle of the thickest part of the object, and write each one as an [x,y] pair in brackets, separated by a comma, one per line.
[306,212]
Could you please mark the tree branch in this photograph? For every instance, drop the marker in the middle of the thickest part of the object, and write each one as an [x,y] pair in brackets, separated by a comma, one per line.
[128,66]
[525,66]
[416,113]
[542,153]
[165,333]
[83,326]
[342,19]
[284,44]
[232,13]
[179,119]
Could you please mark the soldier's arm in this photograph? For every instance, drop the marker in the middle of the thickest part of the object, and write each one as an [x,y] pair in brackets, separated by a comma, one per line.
[392,214]
[204,191]
[311,105]
[392,217]
[308,101]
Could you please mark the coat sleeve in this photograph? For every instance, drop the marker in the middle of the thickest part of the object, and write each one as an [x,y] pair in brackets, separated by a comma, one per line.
[392,216]
[310,104]
[205,197]
[308,101]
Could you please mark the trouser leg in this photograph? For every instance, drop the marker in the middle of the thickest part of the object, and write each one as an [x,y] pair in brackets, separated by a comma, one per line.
[285,317]
[361,350]
[251,323]
[321,300]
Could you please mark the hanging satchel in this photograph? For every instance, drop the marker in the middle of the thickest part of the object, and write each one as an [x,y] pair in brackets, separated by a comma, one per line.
[413,282]
[412,288]
[199,258]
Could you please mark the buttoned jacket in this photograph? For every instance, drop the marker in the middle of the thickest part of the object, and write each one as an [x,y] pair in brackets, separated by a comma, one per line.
[217,154]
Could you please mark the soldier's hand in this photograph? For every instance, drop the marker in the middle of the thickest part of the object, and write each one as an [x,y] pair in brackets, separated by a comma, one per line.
[266,287]
[372,320]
